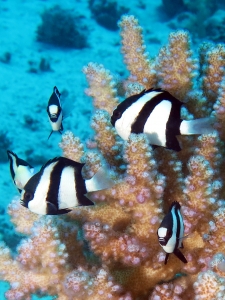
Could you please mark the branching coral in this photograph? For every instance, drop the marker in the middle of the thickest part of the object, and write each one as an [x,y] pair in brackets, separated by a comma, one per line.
[111,250]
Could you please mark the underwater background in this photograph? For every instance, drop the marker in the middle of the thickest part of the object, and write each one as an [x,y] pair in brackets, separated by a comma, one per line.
[47,43]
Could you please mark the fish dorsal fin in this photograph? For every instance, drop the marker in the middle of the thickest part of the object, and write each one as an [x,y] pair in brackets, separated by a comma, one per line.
[55,159]
[175,204]
[99,181]
[65,161]
[153,90]
[19,161]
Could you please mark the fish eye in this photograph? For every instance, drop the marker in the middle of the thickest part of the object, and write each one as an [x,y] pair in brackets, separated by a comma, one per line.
[28,196]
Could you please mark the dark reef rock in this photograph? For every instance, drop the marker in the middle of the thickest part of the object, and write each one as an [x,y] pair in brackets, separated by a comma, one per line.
[5,144]
[107,12]
[61,28]
[215,26]
[173,8]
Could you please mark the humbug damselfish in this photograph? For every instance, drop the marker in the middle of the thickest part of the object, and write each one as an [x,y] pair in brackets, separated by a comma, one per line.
[171,232]
[156,113]
[59,186]
[54,111]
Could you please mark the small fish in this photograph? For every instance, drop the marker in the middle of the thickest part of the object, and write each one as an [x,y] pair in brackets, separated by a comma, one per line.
[55,113]
[20,170]
[158,114]
[171,232]
[59,186]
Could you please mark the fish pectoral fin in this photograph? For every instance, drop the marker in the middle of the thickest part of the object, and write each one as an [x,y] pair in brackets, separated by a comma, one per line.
[50,134]
[180,255]
[53,210]
[166,258]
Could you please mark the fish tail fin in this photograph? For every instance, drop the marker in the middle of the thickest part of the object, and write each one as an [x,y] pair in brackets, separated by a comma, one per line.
[198,126]
[100,181]
[50,134]
[180,255]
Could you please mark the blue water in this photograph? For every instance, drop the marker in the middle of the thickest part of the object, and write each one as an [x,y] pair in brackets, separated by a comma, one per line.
[33,60]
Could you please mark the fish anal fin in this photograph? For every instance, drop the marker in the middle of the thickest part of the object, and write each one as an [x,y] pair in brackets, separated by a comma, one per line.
[50,134]
[180,255]
[63,211]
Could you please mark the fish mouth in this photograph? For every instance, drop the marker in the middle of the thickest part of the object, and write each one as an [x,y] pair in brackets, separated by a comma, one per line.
[162,242]
[22,203]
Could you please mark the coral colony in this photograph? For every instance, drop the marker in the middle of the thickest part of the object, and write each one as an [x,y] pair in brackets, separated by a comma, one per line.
[111,250]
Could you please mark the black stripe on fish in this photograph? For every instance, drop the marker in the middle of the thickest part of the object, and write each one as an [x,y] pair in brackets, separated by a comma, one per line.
[81,190]
[30,188]
[117,113]
[53,189]
[173,124]
[176,219]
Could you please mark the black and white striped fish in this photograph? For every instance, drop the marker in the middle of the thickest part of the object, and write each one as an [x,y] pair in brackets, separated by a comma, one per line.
[171,232]
[20,170]
[59,186]
[55,113]
[158,114]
